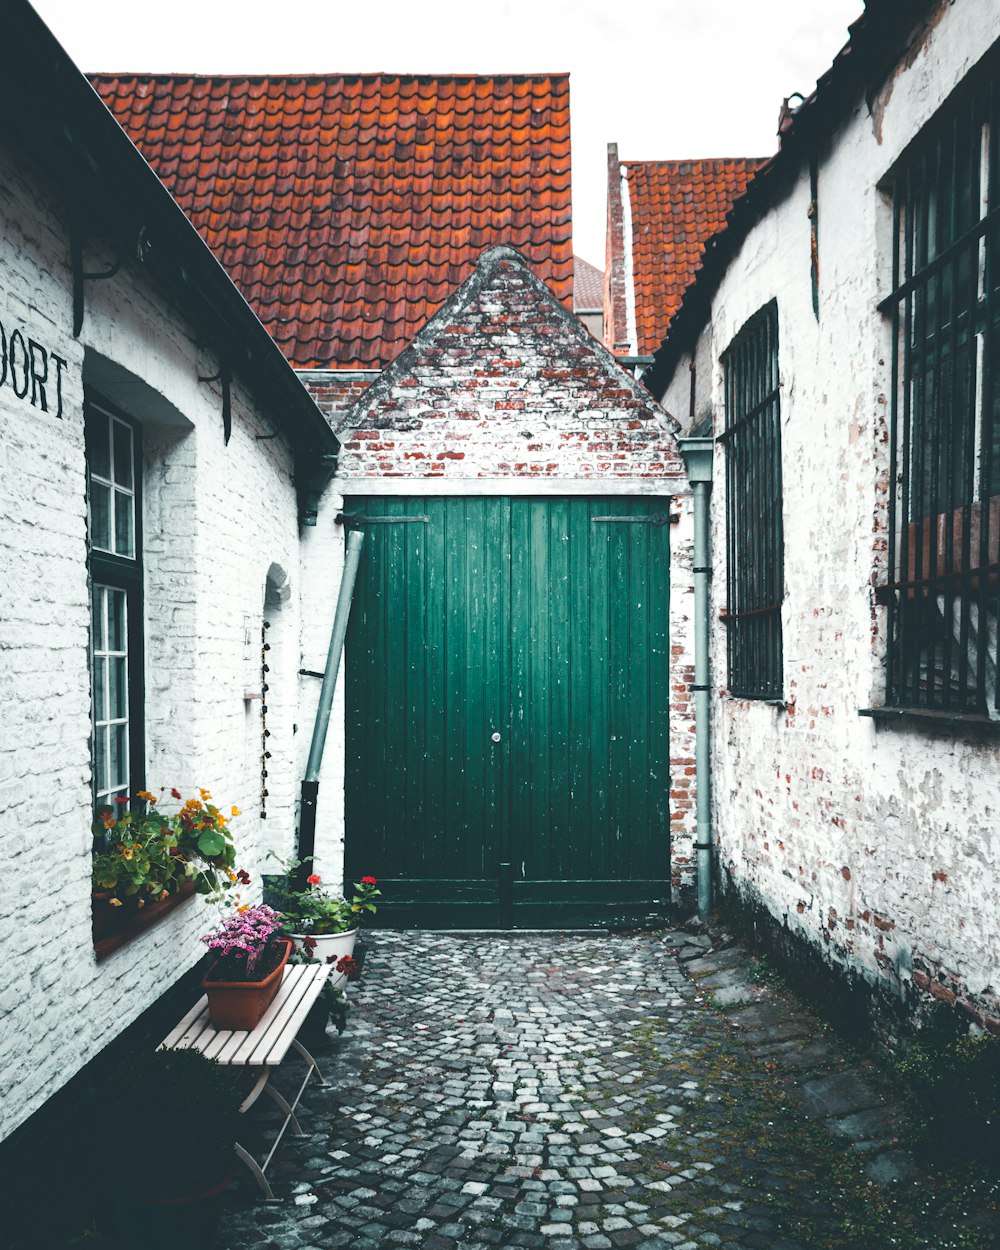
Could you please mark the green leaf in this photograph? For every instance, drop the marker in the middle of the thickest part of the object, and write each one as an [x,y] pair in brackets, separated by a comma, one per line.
[211,843]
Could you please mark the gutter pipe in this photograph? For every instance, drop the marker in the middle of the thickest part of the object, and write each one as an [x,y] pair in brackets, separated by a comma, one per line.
[697,453]
[310,783]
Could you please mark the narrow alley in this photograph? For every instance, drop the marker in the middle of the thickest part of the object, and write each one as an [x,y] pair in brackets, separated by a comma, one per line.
[574,1091]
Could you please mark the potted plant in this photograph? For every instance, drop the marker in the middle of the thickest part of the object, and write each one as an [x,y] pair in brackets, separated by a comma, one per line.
[332,1006]
[251,954]
[143,854]
[328,921]
[175,1114]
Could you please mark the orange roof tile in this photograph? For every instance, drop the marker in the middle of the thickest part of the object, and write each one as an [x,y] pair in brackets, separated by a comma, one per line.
[347,208]
[588,285]
[676,206]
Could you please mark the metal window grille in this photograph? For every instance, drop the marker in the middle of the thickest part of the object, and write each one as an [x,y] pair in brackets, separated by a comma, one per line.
[754,544]
[115,542]
[944,471]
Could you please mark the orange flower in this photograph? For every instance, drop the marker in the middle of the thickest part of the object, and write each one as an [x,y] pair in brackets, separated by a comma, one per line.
[236,811]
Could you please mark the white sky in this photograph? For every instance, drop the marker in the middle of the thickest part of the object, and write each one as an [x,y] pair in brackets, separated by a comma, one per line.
[662,78]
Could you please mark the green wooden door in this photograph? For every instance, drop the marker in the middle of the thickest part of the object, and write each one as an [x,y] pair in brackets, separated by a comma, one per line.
[507,710]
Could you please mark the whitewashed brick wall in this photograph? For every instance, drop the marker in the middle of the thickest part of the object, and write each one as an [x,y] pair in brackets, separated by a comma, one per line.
[878,845]
[216,518]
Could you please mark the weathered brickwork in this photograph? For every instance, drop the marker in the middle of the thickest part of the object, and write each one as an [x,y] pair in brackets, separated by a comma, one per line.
[502,384]
[336,390]
[210,540]
[682,717]
[878,844]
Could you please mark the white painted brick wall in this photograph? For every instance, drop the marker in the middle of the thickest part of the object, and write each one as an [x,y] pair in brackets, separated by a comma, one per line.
[215,518]
[878,845]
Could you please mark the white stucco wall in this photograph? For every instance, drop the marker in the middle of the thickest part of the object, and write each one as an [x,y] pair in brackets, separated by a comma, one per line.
[215,520]
[879,844]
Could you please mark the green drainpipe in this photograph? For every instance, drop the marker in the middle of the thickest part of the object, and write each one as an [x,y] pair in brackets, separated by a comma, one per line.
[310,783]
[697,453]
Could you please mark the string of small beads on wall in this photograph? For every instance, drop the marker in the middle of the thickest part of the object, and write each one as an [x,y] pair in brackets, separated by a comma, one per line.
[265,733]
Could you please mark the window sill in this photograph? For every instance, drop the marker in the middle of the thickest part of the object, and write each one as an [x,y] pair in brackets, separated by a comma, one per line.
[923,718]
[138,922]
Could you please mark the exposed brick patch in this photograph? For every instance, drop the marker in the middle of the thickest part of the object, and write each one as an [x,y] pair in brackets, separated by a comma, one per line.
[535,395]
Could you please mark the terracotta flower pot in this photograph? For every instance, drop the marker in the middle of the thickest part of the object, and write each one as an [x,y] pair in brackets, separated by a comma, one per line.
[240,1004]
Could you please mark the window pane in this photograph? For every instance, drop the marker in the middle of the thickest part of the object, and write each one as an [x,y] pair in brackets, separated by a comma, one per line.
[118,689]
[101,761]
[116,620]
[123,455]
[100,641]
[100,517]
[100,689]
[124,506]
[98,445]
[118,763]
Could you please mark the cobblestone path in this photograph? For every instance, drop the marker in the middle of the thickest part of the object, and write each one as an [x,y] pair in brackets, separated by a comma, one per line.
[556,1091]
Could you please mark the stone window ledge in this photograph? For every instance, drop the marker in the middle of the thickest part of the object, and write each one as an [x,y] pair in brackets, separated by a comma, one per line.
[942,722]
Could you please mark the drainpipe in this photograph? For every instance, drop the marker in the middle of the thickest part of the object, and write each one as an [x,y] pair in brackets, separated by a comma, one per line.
[697,453]
[310,783]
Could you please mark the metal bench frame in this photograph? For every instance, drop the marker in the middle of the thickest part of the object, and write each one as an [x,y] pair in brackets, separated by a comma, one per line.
[264,1048]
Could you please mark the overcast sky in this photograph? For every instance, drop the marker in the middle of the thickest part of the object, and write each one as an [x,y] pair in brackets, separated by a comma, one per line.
[662,78]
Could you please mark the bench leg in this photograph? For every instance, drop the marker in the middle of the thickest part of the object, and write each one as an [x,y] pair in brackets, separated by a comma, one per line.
[256,1170]
[289,1111]
[256,1092]
[309,1060]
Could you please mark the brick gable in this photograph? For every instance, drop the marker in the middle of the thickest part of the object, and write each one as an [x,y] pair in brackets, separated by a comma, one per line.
[505,385]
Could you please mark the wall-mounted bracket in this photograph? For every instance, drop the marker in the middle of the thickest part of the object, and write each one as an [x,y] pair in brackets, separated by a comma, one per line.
[225,376]
[80,275]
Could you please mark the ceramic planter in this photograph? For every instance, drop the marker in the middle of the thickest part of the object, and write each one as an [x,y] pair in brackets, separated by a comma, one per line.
[240,1004]
[336,945]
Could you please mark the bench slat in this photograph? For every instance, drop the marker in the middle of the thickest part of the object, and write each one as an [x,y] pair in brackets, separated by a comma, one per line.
[268,1043]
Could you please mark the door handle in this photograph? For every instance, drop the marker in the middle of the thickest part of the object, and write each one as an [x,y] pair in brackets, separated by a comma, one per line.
[494,736]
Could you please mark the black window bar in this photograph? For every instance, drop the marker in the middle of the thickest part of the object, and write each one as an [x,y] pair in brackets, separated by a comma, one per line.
[754,542]
[944,469]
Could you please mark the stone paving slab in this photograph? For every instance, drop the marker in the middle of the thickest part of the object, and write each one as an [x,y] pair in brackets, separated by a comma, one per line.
[546,1092]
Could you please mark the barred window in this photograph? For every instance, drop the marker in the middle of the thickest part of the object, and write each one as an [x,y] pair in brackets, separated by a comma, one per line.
[944,472]
[116,593]
[754,546]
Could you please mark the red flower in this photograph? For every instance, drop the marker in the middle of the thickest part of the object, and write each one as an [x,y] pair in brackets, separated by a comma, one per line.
[368,881]
[243,877]
[308,945]
[348,967]
[120,798]
[175,792]
[314,878]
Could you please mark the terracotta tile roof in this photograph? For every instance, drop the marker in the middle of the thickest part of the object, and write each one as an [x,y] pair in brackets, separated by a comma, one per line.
[588,284]
[676,206]
[347,208]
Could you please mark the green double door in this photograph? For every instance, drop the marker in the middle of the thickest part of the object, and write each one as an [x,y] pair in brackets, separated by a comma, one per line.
[507,711]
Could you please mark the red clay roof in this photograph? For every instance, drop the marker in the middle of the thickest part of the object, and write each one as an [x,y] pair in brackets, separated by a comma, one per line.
[347,208]
[588,285]
[676,207]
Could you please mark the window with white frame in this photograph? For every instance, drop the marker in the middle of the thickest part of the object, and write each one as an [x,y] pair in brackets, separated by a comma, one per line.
[115,543]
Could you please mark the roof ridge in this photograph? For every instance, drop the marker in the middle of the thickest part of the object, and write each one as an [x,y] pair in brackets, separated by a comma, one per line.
[330,75]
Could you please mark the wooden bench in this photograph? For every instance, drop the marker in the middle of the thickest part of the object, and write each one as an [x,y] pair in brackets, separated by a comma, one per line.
[263,1048]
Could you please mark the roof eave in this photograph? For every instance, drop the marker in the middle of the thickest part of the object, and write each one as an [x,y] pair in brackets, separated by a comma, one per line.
[107,183]
[876,41]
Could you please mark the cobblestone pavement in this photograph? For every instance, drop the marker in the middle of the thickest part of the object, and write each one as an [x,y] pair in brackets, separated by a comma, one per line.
[556,1091]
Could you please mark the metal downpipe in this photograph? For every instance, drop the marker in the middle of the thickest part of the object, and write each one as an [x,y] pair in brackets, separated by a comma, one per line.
[697,454]
[310,783]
